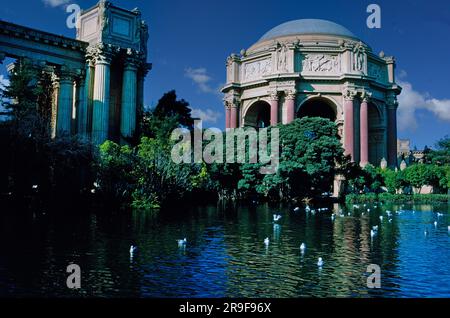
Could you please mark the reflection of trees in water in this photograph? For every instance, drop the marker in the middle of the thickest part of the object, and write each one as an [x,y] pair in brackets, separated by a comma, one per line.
[224,256]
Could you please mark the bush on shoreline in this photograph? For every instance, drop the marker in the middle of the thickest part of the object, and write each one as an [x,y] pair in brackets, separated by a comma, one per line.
[396,198]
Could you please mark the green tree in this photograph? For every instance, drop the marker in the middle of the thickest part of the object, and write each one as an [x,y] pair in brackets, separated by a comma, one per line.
[170,106]
[394,180]
[310,156]
[419,175]
[115,175]
[441,155]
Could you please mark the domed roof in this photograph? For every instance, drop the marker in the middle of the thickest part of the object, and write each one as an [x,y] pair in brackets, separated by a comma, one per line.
[307,26]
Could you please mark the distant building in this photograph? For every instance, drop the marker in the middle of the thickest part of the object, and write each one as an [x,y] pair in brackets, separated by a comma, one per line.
[404,152]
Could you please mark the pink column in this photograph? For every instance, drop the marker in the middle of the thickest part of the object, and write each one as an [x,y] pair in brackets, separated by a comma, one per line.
[392,135]
[290,108]
[364,132]
[227,116]
[273,110]
[348,127]
[233,115]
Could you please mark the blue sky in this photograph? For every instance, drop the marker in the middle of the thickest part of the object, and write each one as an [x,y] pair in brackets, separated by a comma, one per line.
[190,40]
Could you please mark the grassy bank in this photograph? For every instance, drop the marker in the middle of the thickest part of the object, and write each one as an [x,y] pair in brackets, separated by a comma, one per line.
[397,198]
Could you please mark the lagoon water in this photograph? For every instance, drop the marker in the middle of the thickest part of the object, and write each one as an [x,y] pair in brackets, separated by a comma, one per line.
[225,254]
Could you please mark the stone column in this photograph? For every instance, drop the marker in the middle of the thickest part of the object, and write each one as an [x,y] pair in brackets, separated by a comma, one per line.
[89,93]
[100,112]
[64,104]
[233,116]
[349,98]
[227,115]
[82,107]
[231,101]
[364,131]
[129,94]
[290,106]
[273,100]
[392,132]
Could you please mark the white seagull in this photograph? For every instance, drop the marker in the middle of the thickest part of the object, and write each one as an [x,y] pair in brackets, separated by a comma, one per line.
[266,241]
[276,217]
[302,247]
[182,242]
[320,262]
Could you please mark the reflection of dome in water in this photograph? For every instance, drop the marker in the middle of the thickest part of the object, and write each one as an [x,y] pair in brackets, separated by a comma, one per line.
[307,26]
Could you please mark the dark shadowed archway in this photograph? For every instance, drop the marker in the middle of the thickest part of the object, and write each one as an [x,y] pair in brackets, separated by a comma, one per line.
[258,115]
[317,107]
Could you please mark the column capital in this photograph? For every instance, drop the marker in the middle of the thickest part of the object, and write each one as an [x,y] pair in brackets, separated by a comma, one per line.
[101,53]
[133,59]
[291,94]
[232,100]
[66,74]
[144,68]
[349,94]
[273,96]
[366,96]
[391,102]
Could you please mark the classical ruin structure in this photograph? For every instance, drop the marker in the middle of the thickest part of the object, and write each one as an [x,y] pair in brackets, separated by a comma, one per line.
[98,78]
[317,68]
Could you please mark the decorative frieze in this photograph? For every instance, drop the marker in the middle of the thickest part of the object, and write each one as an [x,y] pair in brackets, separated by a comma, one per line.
[321,63]
[257,69]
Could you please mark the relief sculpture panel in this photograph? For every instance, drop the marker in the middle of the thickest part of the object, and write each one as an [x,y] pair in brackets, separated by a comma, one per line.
[321,63]
[257,69]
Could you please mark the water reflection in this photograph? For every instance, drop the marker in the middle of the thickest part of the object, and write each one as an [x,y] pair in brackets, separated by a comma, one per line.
[224,254]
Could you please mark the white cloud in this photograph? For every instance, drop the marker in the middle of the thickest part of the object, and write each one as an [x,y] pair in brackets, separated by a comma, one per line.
[209,115]
[411,100]
[200,77]
[55,3]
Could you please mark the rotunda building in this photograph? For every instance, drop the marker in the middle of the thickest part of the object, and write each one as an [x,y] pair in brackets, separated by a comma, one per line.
[317,68]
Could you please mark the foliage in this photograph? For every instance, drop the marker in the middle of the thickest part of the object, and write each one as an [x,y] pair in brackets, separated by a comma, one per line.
[115,176]
[394,180]
[33,161]
[396,198]
[311,152]
[416,198]
[168,106]
[419,175]
[361,198]
[440,156]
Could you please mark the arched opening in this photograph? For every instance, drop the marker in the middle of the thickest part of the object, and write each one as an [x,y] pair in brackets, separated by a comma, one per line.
[376,135]
[258,115]
[317,107]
